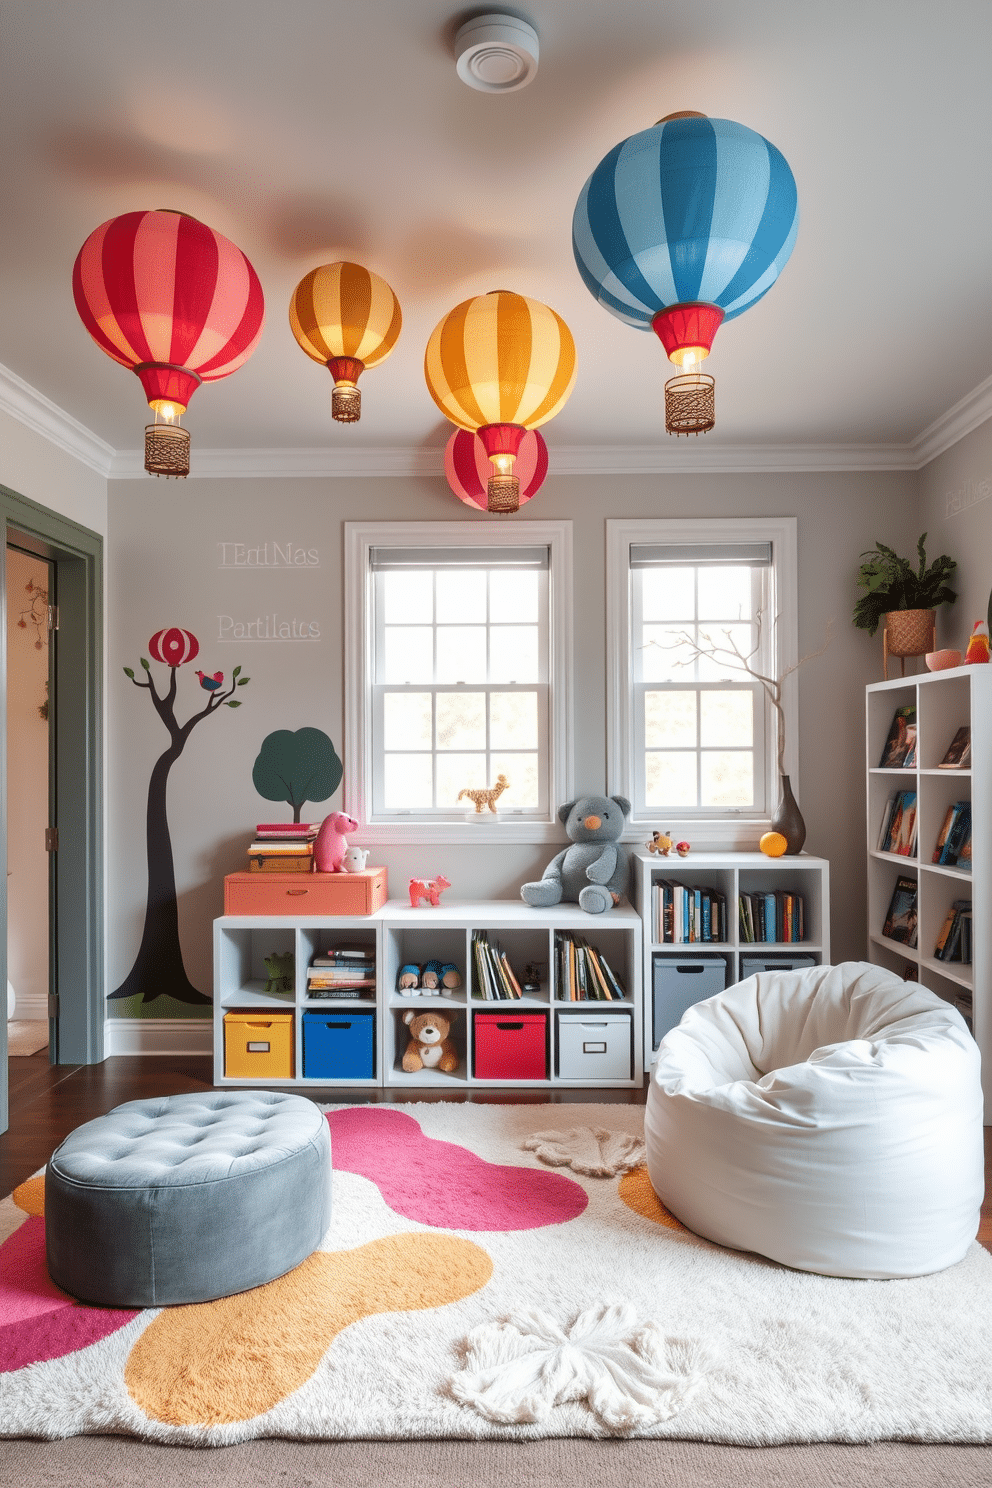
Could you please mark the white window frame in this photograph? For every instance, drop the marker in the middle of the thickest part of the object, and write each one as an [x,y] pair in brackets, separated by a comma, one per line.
[731,829]
[359,539]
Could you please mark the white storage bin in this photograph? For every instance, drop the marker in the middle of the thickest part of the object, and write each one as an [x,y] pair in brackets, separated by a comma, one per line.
[595,1046]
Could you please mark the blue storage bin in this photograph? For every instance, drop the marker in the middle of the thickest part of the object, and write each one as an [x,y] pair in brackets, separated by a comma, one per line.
[681,981]
[339,1046]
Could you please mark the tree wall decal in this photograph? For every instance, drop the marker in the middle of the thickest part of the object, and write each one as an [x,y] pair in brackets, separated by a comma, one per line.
[158,968]
[297,767]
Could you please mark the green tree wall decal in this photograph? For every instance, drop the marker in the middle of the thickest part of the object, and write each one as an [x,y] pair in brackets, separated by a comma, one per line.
[297,767]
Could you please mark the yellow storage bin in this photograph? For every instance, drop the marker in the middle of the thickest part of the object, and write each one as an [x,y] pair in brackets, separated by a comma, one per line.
[258,1045]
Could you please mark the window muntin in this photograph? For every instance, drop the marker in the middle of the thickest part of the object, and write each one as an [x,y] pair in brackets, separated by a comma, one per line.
[460,690]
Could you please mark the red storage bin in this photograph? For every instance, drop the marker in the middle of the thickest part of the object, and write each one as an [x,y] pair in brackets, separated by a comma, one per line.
[511,1046]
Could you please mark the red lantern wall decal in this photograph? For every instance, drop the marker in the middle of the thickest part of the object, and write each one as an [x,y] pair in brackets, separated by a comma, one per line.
[177,303]
[468,467]
[173,646]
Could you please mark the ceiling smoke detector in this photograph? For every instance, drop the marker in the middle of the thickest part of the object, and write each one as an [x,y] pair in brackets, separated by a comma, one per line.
[496,53]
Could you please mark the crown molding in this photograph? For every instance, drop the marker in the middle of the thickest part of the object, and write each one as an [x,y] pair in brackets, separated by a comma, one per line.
[35,411]
[31,408]
[972,410]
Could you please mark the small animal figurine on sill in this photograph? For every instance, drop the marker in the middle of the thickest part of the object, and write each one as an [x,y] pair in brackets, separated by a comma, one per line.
[683,849]
[660,843]
[355,859]
[430,889]
[329,845]
[484,798]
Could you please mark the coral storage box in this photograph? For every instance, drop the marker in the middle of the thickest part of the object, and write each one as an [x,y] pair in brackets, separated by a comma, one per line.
[258,1045]
[305,893]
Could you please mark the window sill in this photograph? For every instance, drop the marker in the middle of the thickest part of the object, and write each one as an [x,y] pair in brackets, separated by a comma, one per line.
[729,834]
[467,833]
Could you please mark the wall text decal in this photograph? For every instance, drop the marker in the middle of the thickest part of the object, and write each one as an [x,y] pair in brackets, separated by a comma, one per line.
[266,628]
[970,494]
[267,555]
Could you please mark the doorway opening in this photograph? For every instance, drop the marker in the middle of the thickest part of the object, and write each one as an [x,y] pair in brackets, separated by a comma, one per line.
[31,612]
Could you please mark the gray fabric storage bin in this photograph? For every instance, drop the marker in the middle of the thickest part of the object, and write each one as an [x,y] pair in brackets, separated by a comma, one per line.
[680,981]
[751,965]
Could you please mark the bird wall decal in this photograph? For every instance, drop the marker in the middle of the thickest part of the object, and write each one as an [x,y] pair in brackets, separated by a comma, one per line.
[210,684]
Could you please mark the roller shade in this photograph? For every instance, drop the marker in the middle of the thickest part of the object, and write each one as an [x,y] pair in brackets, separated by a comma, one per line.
[697,555]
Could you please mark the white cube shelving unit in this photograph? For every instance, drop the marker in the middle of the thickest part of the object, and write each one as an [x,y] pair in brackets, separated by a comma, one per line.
[400,935]
[944,701]
[731,874]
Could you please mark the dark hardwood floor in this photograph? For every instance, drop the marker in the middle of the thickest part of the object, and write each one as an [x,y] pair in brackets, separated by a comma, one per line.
[47,1102]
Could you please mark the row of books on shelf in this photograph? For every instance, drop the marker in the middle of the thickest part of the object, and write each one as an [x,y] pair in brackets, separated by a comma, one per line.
[495,980]
[582,972]
[684,913]
[769,917]
[954,943]
[346,971]
[899,752]
[899,831]
[282,847]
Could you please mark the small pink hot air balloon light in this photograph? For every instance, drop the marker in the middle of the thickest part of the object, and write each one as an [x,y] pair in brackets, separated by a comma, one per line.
[468,467]
[173,646]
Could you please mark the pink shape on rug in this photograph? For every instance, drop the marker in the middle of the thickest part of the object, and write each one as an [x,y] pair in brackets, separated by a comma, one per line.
[37,1321]
[442,1184]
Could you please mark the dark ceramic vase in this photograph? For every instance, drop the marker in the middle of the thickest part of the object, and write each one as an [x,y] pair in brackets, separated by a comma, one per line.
[788,819]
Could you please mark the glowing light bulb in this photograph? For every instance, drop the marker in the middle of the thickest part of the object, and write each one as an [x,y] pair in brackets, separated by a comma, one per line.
[503,462]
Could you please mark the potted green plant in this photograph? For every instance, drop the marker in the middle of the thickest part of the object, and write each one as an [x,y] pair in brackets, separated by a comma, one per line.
[906,598]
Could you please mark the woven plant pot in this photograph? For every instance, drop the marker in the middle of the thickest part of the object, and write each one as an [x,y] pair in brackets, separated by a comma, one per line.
[910,632]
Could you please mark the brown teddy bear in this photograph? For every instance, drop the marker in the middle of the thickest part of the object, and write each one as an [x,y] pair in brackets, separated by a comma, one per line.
[429,1046]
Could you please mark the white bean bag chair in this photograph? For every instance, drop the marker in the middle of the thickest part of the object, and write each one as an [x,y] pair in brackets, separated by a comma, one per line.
[830,1119]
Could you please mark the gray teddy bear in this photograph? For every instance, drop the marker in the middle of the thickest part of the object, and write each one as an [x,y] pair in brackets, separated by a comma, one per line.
[593,871]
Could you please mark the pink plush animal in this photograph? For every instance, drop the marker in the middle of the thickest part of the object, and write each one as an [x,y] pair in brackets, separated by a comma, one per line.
[428,888]
[329,845]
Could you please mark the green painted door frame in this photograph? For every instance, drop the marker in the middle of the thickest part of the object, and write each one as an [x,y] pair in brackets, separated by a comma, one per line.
[77,928]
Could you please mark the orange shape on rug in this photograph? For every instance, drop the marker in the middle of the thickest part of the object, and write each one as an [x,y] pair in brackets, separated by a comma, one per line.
[212,1363]
[637,1194]
[30,1196]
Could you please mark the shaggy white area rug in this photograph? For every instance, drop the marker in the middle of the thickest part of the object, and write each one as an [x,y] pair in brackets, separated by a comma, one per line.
[595,1151]
[580,1300]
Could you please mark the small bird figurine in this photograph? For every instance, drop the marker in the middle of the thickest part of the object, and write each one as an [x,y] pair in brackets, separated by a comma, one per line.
[978,646]
[210,684]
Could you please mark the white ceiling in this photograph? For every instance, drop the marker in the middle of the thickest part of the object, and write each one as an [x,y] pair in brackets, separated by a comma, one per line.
[311,130]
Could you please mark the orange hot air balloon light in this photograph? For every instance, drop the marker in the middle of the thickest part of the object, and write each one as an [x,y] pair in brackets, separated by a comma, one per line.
[347,318]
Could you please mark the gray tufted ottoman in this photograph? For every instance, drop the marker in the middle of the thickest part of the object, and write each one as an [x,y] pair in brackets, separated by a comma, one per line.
[187,1197]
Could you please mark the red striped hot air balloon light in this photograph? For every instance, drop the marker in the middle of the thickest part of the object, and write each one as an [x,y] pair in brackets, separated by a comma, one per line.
[347,318]
[177,303]
[173,646]
[468,467]
[498,365]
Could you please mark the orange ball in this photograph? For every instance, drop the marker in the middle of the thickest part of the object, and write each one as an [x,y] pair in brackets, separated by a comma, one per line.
[773,844]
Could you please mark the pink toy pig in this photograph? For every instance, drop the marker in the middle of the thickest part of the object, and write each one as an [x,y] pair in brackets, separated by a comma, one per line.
[329,846]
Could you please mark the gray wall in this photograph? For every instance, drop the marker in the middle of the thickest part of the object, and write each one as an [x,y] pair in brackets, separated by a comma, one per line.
[956,512]
[164,555]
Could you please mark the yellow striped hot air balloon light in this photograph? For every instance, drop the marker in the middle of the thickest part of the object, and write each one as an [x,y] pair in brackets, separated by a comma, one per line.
[348,318]
[500,364]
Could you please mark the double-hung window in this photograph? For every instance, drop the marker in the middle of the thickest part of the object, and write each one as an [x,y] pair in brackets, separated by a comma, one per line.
[701,612]
[458,675]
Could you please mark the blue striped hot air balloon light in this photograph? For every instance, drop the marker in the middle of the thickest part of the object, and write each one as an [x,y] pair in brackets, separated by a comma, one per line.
[683,226]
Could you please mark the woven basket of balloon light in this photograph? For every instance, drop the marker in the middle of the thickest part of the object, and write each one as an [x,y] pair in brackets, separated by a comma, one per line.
[690,403]
[346,404]
[167,450]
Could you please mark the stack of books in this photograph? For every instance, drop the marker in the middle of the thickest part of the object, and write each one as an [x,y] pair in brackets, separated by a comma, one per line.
[953,847]
[343,971]
[954,940]
[282,847]
[769,918]
[494,976]
[582,972]
[683,914]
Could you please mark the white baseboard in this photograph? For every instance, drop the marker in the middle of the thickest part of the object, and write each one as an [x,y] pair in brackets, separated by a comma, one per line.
[33,1009]
[157,1036]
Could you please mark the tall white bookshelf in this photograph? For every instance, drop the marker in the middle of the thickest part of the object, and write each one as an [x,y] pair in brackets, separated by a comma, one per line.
[944,702]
